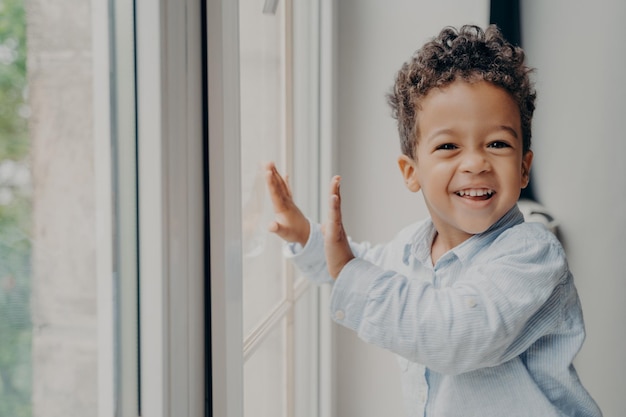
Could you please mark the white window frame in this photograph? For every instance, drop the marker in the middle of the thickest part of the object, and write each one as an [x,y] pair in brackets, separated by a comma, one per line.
[171,208]
[328,73]
[225,209]
[169,122]
[104,208]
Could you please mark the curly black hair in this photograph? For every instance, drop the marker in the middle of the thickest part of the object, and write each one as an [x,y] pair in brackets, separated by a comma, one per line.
[470,54]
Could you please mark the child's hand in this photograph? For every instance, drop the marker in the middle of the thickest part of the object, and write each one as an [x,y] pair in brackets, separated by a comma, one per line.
[336,245]
[290,224]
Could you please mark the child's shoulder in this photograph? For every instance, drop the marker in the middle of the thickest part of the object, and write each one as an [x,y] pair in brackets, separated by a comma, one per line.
[529,237]
[528,248]
[530,230]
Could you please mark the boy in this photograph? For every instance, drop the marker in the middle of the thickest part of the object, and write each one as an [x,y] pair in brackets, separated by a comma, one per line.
[480,306]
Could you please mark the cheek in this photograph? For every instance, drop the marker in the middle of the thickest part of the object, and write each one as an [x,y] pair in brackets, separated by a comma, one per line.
[443,170]
[516,178]
[436,177]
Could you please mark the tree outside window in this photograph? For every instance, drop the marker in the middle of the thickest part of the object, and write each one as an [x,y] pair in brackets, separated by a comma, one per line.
[15,216]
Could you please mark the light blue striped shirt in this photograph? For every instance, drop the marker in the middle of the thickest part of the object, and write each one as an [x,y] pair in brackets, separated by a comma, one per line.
[490,330]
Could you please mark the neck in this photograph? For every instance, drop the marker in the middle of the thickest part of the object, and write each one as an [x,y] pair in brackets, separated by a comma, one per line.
[442,244]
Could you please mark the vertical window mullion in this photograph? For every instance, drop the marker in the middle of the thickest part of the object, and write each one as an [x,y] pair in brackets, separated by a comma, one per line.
[125,221]
[225,251]
[288,163]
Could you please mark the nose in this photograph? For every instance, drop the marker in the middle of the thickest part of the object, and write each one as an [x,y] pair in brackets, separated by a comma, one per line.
[474,162]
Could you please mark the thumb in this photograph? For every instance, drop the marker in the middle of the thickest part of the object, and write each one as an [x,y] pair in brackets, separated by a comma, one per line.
[274,227]
[334,212]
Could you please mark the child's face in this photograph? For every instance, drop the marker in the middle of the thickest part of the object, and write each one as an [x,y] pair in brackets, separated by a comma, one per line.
[468,163]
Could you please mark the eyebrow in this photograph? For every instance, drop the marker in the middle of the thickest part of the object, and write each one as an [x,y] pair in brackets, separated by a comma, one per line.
[449,131]
[509,129]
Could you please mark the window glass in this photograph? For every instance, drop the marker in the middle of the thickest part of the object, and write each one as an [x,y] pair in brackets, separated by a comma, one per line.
[15,217]
[276,321]
[263,138]
[264,377]
[48,317]
[49,347]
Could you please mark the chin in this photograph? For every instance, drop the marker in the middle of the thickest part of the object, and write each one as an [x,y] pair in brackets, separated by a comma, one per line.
[476,229]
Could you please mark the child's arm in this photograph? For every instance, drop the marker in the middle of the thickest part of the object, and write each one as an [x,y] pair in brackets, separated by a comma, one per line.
[493,313]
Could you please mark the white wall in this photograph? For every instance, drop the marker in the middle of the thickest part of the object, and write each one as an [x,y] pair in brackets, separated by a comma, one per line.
[580,143]
[578,170]
[374,39]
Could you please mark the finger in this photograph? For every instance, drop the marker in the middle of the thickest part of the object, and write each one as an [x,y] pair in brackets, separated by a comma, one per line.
[283,182]
[278,190]
[334,184]
[272,172]
[288,184]
[334,214]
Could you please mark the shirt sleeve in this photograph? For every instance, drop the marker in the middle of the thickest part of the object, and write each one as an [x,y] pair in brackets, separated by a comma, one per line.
[310,259]
[489,316]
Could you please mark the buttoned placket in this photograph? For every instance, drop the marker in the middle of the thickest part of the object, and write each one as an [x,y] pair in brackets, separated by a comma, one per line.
[424,389]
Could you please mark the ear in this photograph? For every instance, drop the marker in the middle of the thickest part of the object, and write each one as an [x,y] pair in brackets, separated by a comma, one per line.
[527,160]
[409,173]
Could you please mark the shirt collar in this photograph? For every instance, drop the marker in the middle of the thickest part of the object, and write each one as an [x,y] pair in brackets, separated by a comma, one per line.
[420,245]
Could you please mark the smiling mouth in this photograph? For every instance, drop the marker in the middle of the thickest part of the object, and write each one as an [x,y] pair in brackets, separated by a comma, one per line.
[476,193]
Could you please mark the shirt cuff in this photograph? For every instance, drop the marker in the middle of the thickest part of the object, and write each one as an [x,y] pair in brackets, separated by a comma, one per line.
[309,259]
[351,291]
[294,250]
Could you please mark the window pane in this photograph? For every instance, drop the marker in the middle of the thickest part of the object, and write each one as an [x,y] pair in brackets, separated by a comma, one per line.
[305,354]
[262,92]
[48,228]
[48,334]
[265,385]
[15,217]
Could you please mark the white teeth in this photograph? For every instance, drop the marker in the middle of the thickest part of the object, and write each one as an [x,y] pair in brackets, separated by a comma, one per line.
[475,192]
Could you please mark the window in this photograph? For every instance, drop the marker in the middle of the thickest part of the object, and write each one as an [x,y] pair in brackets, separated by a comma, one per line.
[278,368]
[102,206]
[16,330]
[269,355]
[148,128]
[48,335]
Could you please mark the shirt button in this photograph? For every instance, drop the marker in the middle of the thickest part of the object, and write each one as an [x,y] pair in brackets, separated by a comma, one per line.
[340,315]
[471,303]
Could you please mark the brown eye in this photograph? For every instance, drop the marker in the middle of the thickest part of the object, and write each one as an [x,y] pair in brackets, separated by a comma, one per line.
[499,145]
[446,147]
